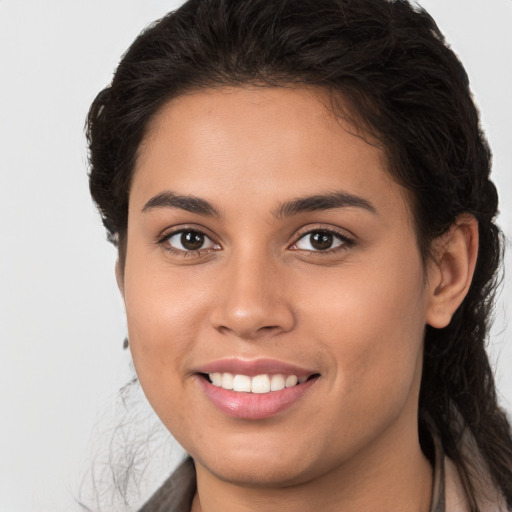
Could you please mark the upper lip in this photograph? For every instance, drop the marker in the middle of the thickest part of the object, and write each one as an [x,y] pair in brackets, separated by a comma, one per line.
[254,367]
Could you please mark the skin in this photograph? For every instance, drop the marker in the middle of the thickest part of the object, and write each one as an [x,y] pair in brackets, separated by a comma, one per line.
[354,314]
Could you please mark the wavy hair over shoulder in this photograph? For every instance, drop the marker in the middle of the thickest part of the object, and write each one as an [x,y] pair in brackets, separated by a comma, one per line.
[390,65]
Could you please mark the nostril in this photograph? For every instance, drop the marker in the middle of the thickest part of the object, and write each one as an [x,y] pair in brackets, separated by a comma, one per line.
[248,331]
[268,328]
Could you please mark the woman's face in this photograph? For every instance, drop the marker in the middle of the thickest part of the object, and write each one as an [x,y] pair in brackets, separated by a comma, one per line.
[267,244]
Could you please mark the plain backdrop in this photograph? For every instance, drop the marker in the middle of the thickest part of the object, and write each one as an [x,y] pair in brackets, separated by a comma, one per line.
[61,320]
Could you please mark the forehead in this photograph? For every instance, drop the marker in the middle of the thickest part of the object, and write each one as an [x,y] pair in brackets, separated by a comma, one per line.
[259,143]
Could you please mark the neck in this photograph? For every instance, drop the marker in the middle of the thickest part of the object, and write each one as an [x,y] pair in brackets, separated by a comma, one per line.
[376,478]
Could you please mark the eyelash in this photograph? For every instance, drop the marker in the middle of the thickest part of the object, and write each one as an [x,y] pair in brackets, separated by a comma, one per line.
[346,242]
[163,242]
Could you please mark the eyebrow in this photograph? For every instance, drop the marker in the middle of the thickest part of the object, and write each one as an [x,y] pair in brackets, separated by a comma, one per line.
[321,202]
[188,203]
[317,202]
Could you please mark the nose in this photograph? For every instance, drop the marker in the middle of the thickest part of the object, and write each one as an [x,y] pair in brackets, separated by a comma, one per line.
[252,301]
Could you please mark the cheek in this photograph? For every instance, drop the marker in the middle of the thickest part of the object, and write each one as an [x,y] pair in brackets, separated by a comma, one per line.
[372,321]
[163,314]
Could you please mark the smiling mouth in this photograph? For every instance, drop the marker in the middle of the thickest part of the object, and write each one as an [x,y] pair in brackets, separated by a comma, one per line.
[259,384]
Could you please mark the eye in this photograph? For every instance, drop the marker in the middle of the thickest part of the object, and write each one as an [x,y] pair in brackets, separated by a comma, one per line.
[188,240]
[321,240]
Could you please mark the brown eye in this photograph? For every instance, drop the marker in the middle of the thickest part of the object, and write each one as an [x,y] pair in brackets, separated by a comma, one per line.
[190,240]
[321,240]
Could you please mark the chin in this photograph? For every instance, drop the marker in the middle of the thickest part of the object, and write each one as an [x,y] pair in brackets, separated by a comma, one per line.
[264,467]
[255,474]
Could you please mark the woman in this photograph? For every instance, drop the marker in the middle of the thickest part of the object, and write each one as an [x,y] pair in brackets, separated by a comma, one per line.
[299,192]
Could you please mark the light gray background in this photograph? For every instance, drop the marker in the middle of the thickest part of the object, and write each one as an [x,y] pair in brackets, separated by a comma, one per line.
[61,320]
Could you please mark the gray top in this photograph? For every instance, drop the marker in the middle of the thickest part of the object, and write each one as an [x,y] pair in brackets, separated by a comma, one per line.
[177,492]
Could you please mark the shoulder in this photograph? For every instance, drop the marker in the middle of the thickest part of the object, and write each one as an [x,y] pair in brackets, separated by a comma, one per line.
[458,490]
[488,497]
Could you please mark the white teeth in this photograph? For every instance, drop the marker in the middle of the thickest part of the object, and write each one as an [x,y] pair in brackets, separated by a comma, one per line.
[241,383]
[216,379]
[290,381]
[277,382]
[227,381]
[258,384]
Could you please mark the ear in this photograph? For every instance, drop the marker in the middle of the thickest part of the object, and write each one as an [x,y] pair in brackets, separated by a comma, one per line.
[451,269]
[120,277]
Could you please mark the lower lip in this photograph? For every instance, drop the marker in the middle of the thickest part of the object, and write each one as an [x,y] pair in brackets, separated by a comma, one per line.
[254,406]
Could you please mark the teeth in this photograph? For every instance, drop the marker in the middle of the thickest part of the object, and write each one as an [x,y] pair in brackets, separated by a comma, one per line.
[290,381]
[216,379]
[277,383]
[227,381]
[259,384]
[241,383]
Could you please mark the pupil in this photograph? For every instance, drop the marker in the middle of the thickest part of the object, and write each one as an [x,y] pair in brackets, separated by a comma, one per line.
[321,241]
[192,240]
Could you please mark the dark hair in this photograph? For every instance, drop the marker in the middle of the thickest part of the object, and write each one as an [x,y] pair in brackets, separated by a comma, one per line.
[391,67]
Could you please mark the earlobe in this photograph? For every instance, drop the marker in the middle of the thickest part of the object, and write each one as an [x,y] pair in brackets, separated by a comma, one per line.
[120,277]
[451,270]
